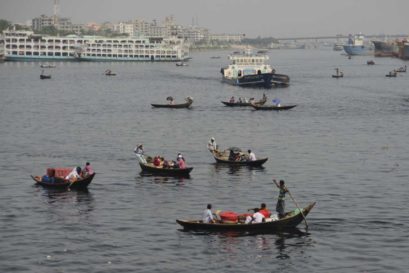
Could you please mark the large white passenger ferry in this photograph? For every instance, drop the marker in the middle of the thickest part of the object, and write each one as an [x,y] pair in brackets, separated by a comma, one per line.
[25,45]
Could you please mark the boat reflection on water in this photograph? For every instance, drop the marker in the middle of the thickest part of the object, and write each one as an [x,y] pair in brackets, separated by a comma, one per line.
[79,201]
[157,179]
[236,169]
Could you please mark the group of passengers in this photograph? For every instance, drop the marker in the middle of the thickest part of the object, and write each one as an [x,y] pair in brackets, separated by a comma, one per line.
[260,215]
[241,100]
[159,161]
[238,156]
[179,163]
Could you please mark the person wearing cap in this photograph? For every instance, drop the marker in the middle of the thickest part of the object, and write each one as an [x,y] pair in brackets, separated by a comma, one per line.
[211,145]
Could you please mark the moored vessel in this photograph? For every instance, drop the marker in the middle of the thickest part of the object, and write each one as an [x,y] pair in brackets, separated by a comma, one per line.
[356,46]
[25,45]
[385,49]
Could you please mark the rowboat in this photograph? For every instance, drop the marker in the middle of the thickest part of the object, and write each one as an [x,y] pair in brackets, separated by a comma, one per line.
[187,104]
[61,183]
[291,220]
[273,107]
[392,74]
[45,76]
[149,168]
[240,104]
[242,158]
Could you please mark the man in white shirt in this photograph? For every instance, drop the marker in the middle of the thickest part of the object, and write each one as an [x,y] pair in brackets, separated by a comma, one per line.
[252,156]
[208,215]
[257,217]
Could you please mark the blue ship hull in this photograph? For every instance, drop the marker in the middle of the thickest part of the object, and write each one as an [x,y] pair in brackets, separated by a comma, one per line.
[357,50]
[258,80]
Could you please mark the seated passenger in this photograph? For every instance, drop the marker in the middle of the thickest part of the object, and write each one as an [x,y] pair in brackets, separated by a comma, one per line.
[264,210]
[232,99]
[88,170]
[252,156]
[257,217]
[208,214]
[74,175]
[181,163]
[156,161]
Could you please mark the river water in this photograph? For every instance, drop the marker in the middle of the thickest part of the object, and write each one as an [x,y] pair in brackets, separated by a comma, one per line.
[344,146]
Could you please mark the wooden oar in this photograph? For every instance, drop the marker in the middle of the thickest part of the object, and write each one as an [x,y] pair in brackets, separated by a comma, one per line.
[298,207]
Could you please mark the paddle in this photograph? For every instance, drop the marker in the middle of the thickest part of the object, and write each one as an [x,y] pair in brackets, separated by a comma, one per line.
[298,207]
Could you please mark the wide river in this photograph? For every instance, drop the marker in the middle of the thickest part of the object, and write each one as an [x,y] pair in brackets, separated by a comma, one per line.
[344,146]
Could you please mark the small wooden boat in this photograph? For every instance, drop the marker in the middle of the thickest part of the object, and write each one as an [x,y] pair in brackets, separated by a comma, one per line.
[392,74]
[108,72]
[47,66]
[43,77]
[187,104]
[370,62]
[223,157]
[174,172]
[61,183]
[273,107]
[181,64]
[291,220]
[401,69]
[241,104]
[338,74]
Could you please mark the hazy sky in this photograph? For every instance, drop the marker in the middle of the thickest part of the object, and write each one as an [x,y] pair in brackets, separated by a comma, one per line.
[277,18]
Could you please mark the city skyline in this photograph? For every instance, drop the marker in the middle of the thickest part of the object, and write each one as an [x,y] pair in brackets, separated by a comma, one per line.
[260,18]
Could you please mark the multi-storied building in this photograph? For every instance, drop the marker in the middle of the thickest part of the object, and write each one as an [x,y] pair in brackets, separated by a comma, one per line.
[60,23]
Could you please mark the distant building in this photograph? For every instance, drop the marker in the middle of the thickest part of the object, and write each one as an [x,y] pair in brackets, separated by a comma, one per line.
[60,23]
[236,38]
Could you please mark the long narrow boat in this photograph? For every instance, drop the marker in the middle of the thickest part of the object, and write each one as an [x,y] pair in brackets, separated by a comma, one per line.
[61,183]
[187,104]
[273,107]
[290,221]
[175,172]
[254,163]
[43,77]
[241,104]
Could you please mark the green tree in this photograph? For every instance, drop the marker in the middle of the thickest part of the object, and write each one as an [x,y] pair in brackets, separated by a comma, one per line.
[4,24]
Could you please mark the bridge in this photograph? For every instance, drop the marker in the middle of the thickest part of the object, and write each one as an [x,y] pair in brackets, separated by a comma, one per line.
[341,36]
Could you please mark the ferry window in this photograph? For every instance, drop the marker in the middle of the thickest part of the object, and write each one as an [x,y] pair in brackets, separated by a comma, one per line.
[21,40]
[14,52]
[57,54]
[14,41]
[50,54]
[65,54]
[35,53]
[28,53]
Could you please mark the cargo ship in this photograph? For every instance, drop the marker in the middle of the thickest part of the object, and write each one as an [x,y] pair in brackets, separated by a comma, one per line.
[356,46]
[25,46]
[386,48]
